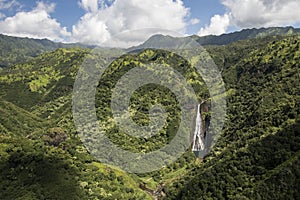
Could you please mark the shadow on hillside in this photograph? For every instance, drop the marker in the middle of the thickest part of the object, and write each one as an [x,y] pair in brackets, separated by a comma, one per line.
[32,175]
[267,169]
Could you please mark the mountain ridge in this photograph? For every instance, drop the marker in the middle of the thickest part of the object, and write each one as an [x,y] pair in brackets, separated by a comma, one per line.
[159,40]
[257,157]
[15,50]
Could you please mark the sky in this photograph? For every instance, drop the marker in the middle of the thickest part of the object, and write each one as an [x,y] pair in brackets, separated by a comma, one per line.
[125,23]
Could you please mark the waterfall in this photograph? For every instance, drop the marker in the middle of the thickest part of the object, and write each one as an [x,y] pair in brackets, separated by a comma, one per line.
[198,144]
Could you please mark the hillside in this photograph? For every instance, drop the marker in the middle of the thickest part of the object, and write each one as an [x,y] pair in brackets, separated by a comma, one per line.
[246,34]
[15,50]
[257,157]
[39,146]
[159,41]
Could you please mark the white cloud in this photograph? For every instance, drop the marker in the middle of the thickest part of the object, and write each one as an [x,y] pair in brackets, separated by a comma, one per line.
[97,27]
[255,14]
[194,21]
[90,30]
[263,13]
[218,25]
[34,24]
[89,5]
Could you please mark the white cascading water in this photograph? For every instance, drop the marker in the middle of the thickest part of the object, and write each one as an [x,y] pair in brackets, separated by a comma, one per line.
[198,144]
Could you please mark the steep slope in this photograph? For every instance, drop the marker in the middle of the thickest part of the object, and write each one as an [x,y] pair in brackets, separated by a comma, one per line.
[43,87]
[43,79]
[15,50]
[258,155]
[17,120]
[42,156]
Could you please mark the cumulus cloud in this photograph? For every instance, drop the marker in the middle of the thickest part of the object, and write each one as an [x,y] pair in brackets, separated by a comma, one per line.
[90,30]
[34,24]
[263,13]
[100,25]
[89,5]
[218,25]
[254,14]
[194,21]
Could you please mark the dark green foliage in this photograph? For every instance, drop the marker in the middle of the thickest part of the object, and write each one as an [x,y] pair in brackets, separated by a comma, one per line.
[29,170]
[161,41]
[144,98]
[246,34]
[42,79]
[32,136]
[16,120]
[258,154]
[257,157]
[15,50]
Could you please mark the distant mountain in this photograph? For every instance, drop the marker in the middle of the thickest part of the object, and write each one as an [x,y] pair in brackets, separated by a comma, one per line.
[256,157]
[159,41]
[246,34]
[15,50]
[166,41]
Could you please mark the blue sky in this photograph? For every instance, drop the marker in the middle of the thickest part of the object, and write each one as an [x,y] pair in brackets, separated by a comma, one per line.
[203,10]
[96,21]
[68,12]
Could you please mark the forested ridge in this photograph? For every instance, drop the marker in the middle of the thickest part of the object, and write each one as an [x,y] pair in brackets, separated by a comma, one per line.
[15,50]
[256,157]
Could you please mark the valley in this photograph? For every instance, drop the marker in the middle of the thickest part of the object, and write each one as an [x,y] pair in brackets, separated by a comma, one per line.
[255,157]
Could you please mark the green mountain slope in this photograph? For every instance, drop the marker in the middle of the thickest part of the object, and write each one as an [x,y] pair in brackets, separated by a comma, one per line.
[41,154]
[246,34]
[43,87]
[258,154]
[15,50]
[161,41]
[17,120]
[42,79]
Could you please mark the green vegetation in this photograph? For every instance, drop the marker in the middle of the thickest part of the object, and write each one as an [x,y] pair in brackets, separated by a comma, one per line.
[257,157]
[247,34]
[161,41]
[14,50]
[144,98]
[37,125]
